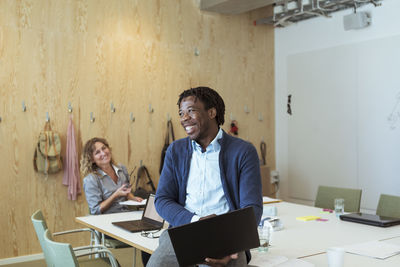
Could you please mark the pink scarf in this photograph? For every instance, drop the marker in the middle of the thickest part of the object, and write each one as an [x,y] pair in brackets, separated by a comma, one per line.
[71,167]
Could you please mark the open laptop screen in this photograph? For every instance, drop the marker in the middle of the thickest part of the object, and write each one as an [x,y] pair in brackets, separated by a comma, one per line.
[150,211]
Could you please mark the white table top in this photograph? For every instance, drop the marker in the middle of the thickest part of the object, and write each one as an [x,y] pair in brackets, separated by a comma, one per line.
[103,223]
[351,260]
[298,239]
[304,238]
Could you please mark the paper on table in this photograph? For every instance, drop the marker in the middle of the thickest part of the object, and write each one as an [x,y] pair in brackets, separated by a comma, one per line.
[265,259]
[133,203]
[295,263]
[262,259]
[267,200]
[374,249]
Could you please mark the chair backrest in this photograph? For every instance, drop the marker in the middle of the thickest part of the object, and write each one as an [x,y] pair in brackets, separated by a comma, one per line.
[388,206]
[327,194]
[60,254]
[40,226]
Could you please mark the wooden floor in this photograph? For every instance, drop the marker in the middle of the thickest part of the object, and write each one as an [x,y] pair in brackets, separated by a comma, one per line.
[123,255]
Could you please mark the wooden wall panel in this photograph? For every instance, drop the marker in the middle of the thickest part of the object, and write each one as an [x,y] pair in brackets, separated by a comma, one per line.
[133,54]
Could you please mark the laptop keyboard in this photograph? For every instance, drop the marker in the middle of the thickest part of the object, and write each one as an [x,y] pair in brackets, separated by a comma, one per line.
[144,224]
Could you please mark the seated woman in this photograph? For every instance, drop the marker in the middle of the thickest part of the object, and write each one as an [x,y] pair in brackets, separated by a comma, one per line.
[105,183]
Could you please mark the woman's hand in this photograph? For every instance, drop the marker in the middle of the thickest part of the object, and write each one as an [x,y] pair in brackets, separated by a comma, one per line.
[123,191]
[138,199]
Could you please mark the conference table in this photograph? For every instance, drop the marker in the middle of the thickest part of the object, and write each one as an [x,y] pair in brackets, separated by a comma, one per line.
[303,240]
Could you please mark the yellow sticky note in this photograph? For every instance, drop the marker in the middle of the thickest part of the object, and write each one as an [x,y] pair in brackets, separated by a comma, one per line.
[307,218]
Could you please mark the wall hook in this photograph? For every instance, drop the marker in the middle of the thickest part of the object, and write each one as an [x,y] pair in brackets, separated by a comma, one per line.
[23,106]
[168,117]
[112,107]
[141,163]
[246,109]
[47,117]
[151,110]
[69,107]
[260,117]
[92,118]
[132,117]
[232,117]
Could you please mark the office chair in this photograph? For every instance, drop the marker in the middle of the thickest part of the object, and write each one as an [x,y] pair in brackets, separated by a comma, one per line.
[326,196]
[40,225]
[388,206]
[62,255]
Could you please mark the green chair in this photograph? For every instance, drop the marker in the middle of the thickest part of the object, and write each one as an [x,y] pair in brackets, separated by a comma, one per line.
[326,195]
[62,255]
[388,206]
[40,225]
[116,244]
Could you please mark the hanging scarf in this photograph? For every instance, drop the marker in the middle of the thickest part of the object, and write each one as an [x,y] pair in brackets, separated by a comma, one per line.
[71,172]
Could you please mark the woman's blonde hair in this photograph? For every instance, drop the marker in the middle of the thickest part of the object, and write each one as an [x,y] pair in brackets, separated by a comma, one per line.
[87,163]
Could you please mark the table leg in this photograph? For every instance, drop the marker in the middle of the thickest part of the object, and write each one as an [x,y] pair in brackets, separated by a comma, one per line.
[134,257]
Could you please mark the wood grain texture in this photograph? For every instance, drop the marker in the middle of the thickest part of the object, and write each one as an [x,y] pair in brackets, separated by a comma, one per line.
[133,54]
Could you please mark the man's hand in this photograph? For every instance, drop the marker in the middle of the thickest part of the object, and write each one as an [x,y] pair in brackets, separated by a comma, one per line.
[221,262]
[208,216]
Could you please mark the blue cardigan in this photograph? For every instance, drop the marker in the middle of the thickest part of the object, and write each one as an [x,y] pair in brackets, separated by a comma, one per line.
[240,175]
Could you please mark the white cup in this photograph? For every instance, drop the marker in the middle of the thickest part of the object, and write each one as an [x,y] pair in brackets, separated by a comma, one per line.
[335,257]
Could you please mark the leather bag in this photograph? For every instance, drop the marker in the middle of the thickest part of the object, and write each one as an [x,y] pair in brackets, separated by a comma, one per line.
[144,185]
[168,136]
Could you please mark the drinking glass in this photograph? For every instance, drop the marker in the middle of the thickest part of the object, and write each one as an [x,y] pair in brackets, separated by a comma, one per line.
[264,233]
[339,206]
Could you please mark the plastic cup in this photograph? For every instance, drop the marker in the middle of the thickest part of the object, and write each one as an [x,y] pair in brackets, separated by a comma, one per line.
[335,257]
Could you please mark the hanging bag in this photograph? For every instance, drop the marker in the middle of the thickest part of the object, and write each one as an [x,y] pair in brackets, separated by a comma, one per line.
[47,157]
[168,136]
[144,185]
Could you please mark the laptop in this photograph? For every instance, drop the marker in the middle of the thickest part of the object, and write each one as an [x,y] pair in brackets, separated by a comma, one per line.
[215,237]
[370,219]
[150,219]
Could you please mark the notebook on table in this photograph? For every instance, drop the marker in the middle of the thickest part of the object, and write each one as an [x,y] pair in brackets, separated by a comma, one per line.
[150,219]
[370,219]
[215,237]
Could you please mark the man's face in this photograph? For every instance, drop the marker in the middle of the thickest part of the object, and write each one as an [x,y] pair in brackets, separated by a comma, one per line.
[195,119]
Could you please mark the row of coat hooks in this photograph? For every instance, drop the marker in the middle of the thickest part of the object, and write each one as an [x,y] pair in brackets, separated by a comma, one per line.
[131,116]
[247,111]
[92,117]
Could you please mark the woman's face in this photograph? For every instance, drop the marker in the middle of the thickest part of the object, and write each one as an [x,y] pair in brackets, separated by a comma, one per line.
[101,155]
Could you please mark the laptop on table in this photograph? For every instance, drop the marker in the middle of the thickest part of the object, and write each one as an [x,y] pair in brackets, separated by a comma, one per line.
[370,219]
[215,237]
[150,219]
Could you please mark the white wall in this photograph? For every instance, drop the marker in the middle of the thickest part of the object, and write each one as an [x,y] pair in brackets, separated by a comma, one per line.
[322,36]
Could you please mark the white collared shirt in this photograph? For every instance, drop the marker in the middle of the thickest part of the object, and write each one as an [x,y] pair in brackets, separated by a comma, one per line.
[204,192]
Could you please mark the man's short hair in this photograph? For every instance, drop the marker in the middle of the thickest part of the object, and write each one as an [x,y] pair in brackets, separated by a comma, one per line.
[210,99]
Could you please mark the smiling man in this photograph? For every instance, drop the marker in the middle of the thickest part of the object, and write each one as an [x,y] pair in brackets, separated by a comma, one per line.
[207,173]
